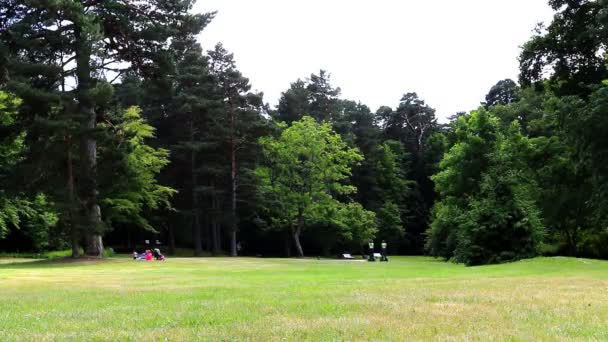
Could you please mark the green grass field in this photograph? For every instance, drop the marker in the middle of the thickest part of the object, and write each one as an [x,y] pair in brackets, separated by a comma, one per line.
[410,298]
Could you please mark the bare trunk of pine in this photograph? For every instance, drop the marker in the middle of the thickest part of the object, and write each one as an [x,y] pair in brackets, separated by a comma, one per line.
[215,227]
[74,238]
[287,245]
[217,240]
[233,186]
[207,239]
[171,240]
[196,224]
[88,146]
[196,236]
[297,232]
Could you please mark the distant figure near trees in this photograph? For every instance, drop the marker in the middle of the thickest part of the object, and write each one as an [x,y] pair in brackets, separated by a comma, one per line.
[384,253]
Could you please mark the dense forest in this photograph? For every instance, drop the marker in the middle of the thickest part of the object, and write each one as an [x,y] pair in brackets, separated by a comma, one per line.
[117,126]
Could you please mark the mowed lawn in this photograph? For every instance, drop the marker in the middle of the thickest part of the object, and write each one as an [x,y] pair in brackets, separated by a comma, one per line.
[410,298]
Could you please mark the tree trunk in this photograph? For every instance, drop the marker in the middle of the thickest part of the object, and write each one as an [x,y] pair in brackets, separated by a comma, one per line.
[196,223]
[233,247]
[215,237]
[233,218]
[95,245]
[233,185]
[74,238]
[215,227]
[296,240]
[326,250]
[571,237]
[207,239]
[196,234]
[88,145]
[297,232]
[171,237]
[287,246]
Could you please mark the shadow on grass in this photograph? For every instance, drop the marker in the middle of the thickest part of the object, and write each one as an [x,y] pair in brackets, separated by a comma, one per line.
[55,262]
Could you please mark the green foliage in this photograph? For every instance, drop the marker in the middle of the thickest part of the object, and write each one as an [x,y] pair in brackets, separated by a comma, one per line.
[582,125]
[502,93]
[305,169]
[34,213]
[54,46]
[390,221]
[570,49]
[391,171]
[314,97]
[391,178]
[488,211]
[359,225]
[130,167]
[413,123]
[8,108]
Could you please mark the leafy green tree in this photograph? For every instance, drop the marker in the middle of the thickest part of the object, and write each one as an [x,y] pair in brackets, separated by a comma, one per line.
[566,60]
[129,169]
[91,44]
[19,210]
[583,123]
[488,208]
[306,166]
[564,183]
[571,47]
[529,111]
[395,190]
[358,225]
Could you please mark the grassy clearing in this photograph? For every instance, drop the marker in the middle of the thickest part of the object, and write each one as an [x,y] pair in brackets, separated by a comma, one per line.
[410,298]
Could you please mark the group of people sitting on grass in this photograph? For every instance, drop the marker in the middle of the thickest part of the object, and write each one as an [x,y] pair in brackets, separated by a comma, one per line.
[149,255]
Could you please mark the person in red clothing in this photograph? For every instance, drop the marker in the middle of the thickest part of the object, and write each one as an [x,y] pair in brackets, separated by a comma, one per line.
[148,255]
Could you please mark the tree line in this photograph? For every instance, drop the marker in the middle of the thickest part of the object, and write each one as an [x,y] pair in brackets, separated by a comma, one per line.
[116,126]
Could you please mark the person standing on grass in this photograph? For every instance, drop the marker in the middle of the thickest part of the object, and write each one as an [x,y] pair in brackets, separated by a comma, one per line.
[384,257]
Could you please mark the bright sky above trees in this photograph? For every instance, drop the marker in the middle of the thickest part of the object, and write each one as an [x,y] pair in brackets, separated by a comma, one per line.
[450,52]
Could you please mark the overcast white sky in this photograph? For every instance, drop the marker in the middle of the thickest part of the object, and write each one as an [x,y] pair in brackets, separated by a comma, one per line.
[448,51]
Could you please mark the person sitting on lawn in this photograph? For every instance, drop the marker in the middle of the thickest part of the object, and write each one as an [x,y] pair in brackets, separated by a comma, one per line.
[138,256]
[148,255]
[158,255]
